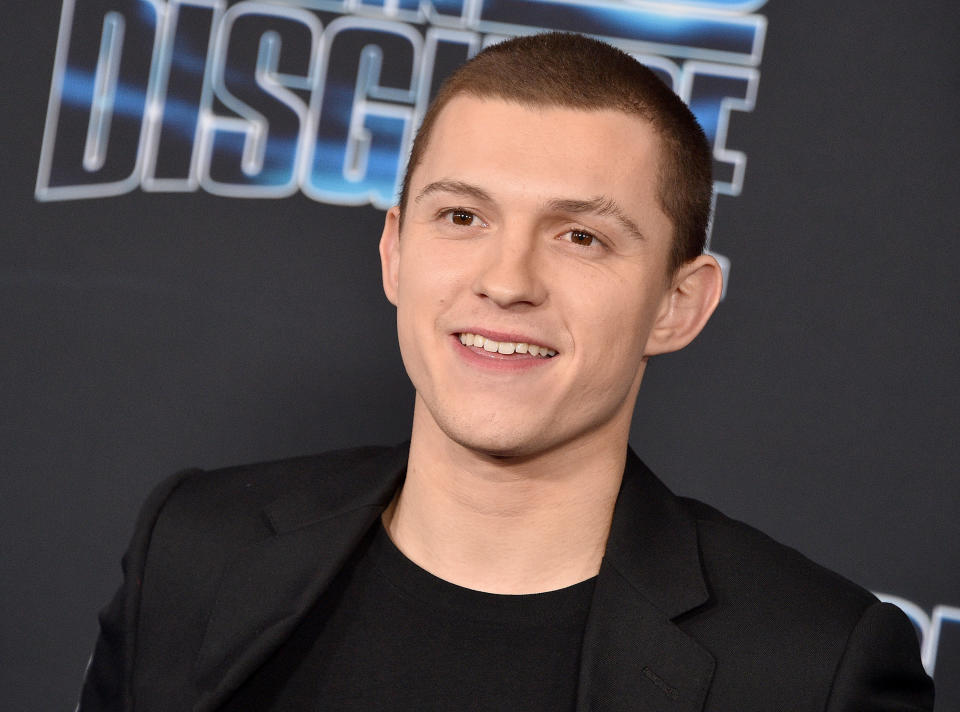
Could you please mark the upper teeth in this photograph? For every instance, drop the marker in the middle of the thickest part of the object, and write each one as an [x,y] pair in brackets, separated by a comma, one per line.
[505,347]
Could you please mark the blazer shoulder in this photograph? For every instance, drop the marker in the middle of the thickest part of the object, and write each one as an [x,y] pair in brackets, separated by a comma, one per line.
[195,528]
[740,560]
[203,519]
[806,631]
[216,500]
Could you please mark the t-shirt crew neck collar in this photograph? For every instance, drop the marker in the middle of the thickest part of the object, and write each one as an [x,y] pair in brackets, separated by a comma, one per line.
[412,581]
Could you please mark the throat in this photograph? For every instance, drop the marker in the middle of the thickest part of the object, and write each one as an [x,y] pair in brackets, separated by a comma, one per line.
[509,541]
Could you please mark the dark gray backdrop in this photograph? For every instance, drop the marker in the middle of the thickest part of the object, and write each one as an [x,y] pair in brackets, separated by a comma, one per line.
[147,332]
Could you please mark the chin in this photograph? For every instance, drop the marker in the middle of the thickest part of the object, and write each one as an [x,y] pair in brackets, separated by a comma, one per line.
[495,442]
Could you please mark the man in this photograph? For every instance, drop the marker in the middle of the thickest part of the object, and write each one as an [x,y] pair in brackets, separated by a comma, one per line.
[516,555]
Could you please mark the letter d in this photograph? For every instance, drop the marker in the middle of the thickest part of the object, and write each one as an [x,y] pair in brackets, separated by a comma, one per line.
[98,98]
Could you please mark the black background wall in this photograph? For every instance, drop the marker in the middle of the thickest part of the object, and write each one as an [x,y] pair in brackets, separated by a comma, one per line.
[149,330]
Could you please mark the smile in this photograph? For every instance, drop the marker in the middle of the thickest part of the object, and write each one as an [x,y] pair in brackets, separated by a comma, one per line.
[505,347]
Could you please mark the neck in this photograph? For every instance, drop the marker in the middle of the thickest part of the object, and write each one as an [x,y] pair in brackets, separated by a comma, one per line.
[506,524]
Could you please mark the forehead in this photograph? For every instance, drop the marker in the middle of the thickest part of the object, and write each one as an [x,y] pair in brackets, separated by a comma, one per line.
[545,150]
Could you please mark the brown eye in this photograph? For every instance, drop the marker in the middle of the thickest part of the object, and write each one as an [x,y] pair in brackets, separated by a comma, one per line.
[578,237]
[461,217]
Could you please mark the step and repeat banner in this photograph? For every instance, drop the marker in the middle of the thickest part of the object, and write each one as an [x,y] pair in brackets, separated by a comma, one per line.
[193,194]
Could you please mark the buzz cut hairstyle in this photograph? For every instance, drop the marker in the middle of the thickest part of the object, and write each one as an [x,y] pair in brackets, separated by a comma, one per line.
[566,70]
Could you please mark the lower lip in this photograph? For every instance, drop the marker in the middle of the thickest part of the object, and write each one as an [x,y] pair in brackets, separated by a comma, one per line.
[495,361]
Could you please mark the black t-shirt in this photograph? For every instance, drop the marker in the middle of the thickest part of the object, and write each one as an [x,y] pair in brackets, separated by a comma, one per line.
[388,635]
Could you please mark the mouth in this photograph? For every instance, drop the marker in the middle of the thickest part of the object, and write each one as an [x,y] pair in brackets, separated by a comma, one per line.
[505,348]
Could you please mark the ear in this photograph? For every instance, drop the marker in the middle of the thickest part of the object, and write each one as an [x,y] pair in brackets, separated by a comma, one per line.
[690,300]
[390,254]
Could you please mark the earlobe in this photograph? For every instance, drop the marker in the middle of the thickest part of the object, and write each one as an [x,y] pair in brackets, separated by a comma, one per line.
[390,254]
[693,296]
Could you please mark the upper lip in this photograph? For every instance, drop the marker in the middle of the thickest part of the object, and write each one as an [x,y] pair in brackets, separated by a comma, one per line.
[502,336]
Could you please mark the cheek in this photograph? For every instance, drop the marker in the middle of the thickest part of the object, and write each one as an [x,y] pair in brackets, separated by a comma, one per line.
[426,291]
[616,325]
[423,261]
[430,279]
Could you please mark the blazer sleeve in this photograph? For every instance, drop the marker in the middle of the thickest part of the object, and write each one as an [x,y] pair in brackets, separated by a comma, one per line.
[108,682]
[880,670]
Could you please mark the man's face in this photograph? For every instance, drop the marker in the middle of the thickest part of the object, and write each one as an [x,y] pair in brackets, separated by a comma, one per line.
[538,229]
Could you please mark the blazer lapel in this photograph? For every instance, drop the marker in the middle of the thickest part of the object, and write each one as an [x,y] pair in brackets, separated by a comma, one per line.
[634,657]
[265,593]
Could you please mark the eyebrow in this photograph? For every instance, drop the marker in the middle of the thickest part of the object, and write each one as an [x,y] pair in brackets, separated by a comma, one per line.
[454,186]
[599,206]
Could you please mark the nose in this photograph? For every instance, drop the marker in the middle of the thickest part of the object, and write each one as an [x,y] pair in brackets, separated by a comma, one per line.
[508,271]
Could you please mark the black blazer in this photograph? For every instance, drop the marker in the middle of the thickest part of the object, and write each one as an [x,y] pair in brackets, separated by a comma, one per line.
[691,610]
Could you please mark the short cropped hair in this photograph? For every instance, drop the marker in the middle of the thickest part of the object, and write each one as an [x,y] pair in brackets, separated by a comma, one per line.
[572,71]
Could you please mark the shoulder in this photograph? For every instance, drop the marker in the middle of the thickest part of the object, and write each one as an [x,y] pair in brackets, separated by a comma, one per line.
[240,492]
[200,520]
[740,560]
[193,528]
[774,615]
